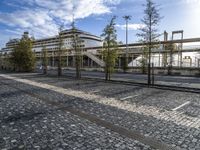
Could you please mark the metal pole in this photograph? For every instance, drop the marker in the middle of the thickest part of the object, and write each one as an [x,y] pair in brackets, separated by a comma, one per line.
[126,42]
[181,55]
[67,60]
[149,64]
[153,74]
[126,57]
[53,59]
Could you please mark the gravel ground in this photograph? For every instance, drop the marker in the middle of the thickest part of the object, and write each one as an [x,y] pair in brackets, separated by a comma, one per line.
[163,127]
[28,123]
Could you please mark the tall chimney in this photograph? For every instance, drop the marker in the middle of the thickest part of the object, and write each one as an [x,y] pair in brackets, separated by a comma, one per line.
[165,36]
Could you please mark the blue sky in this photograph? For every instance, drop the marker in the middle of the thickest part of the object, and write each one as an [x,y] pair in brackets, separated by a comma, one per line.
[42,17]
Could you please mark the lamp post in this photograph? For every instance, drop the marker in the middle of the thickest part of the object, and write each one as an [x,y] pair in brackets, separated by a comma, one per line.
[127,18]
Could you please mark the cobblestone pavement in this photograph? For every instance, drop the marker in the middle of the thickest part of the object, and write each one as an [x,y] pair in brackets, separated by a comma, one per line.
[181,81]
[149,111]
[28,123]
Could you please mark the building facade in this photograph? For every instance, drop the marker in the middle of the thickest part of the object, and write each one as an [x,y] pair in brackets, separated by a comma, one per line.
[87,40]
[51,43]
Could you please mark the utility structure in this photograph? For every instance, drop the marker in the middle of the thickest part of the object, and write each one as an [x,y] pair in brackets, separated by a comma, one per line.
[180,56]
[165,55]
[127,18]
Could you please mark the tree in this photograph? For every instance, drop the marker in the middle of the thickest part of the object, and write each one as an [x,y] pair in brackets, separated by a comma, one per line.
[149,33]
[110,48]
[22,55]
[1,61]
[171,47]
[76,44]
[144,60]
[44,60]
[60,50]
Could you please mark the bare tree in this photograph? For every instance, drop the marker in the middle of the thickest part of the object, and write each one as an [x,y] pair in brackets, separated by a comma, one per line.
[170,48]
[76,44]
[44,60]
[149,33]
[60,50]
[110,47]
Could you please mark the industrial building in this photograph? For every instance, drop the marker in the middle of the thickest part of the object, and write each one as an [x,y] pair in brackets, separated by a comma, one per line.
[182,59]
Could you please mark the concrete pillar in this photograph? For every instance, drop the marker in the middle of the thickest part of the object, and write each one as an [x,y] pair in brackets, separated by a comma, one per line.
[73,61]
[88,62]
[132,60]
[53,59]
[92,63]
[82,61]
[119,62]
[198,63]
[159,60]
[67,60]
[136,62]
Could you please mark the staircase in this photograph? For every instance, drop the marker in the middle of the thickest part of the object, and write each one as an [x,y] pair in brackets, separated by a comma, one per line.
[135,62]
[95,59]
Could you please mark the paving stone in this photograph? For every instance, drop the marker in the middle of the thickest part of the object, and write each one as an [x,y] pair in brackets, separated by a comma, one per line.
[164,129]
[59,127]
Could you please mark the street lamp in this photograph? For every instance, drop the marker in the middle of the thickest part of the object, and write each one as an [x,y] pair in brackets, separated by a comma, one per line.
[127,18]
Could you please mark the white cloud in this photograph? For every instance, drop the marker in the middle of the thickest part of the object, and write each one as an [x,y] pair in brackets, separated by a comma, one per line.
[131,26]
[88,7]
[25,18]
[114,2]
[192,1]
[42,17]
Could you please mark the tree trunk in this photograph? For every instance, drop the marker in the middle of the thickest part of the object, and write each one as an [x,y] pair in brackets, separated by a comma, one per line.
[59,66]
[78,63]
[45,70]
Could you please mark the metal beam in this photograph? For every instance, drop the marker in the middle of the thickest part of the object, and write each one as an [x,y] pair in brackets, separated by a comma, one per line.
[191,40]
